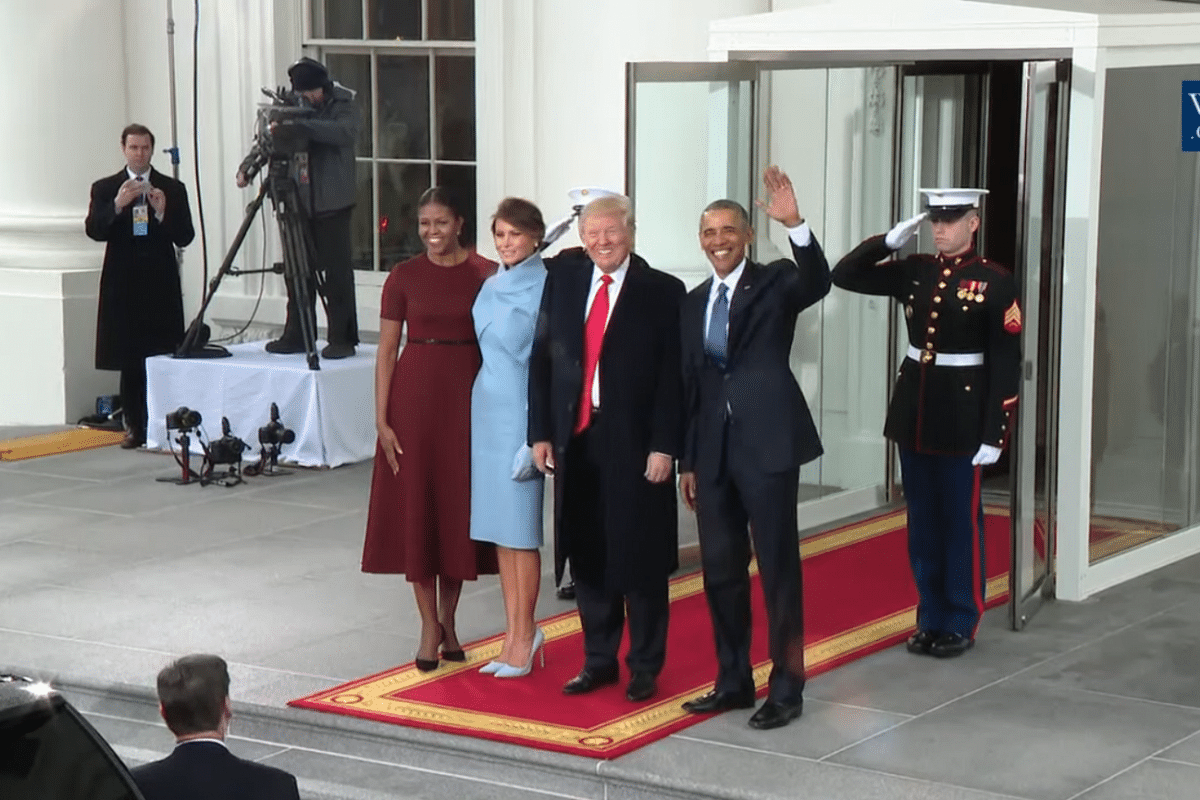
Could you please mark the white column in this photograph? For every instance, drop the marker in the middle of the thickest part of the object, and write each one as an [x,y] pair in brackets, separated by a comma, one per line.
[65,135]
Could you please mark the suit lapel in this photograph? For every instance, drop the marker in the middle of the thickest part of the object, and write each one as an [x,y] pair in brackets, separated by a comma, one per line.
[747,292]
[628,297]
[695,308]
[579,300]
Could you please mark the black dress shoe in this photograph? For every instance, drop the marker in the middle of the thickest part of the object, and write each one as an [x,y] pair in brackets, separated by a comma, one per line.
[921,641]
[567,591]
[285,346]
[641,687]
[775,715]
[587,680]
[133,440]
[950,645]
[719,701]
[336,351]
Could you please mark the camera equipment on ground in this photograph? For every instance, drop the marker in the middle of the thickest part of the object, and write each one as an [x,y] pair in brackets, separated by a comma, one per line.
[278,145]
[184,420]
[272,436]
[225,451]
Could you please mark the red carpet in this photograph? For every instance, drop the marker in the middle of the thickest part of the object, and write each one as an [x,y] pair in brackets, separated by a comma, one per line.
[859,598]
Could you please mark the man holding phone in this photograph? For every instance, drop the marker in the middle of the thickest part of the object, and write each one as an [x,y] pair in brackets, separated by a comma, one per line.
[142,215]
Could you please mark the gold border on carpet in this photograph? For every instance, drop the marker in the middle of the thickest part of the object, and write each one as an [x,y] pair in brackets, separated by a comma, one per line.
[376,696]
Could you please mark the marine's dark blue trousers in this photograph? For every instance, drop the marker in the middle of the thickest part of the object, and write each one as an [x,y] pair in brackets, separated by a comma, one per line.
[945,540]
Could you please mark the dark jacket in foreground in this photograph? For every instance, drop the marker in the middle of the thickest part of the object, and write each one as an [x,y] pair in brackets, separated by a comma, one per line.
[640,398]
[208,771]
[757,389]
[141,302]
[965,304]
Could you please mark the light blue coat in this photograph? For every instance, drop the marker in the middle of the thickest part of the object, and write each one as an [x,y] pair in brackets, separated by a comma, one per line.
[505,511]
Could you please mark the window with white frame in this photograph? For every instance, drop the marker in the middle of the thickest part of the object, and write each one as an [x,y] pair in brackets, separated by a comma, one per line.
[412,63]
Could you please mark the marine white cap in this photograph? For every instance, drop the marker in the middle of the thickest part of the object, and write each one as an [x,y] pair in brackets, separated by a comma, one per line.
[583,195]
[951,200]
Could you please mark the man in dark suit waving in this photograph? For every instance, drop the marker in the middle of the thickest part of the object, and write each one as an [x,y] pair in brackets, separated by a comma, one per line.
[604,417]
[142,216]
[193,697]
[748,431]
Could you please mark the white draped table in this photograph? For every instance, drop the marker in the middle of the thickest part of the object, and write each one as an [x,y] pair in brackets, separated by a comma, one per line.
[332,410]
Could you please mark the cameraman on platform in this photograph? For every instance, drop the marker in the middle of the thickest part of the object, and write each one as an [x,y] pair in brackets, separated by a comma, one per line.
[325,180]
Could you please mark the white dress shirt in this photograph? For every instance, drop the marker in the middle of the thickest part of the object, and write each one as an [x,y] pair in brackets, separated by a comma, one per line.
[145,177]
[614,289]
[210,739]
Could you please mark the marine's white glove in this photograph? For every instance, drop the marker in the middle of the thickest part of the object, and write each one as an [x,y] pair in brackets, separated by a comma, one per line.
[986,455]
[897,236]
[554,233]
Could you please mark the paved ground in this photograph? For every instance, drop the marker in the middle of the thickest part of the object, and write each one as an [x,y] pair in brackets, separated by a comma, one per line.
[105,575]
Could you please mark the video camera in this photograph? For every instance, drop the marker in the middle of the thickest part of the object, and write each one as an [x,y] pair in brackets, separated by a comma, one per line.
[274,135]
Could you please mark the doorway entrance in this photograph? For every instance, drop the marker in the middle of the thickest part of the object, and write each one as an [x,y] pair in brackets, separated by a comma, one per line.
[859,142]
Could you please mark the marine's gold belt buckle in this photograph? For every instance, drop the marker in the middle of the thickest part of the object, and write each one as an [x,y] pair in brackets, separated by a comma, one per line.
[927,356]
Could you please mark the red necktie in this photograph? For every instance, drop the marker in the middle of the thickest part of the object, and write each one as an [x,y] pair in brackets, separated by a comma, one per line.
[593,337]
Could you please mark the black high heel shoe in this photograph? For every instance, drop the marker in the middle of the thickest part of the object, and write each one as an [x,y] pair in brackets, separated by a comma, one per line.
[451,655]
[429,664]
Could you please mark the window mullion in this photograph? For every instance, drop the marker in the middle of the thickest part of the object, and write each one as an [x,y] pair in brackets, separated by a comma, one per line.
[433,129]
[376,209]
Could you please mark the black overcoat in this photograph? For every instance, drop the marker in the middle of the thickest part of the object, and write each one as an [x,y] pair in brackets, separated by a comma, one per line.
[640,391]
[141,301]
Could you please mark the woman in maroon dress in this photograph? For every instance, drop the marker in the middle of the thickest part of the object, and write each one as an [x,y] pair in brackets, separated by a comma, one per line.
[418,523]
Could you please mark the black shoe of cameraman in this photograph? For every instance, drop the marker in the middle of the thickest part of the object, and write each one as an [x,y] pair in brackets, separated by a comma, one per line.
[285,346]
[334,351]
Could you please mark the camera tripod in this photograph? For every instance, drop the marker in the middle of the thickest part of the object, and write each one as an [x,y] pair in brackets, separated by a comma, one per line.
[298,264]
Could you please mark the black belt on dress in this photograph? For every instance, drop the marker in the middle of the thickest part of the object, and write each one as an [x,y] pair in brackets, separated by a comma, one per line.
[441,341]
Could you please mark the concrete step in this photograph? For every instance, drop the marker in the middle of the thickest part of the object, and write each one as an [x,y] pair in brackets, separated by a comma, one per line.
[343,758]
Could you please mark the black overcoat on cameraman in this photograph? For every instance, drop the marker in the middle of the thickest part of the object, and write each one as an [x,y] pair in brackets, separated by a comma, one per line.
[141,301]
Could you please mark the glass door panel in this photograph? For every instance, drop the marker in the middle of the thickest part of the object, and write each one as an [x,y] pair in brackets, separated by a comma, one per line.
[832,131]
[690,141]
[1039,240]
[1146,379]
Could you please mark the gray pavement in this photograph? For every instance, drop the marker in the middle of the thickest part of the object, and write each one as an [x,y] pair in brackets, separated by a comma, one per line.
[105,575]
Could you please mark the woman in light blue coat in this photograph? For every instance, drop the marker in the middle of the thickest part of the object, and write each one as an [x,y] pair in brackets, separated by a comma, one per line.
[506,489]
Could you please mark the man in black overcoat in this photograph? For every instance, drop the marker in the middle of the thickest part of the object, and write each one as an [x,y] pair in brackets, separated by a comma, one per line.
[748,431]
[608,427]
[193,698]
[143,216]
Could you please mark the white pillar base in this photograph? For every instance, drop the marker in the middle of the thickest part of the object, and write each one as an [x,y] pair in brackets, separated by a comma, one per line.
[48,329]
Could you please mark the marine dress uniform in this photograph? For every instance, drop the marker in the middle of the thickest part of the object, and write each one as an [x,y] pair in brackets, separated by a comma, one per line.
[951,405]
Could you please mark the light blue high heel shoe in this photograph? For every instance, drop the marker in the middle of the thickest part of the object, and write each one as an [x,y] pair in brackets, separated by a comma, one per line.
[491,667]
[539,646]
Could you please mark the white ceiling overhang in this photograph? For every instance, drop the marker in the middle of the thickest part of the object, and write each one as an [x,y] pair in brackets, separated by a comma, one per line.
[877,29]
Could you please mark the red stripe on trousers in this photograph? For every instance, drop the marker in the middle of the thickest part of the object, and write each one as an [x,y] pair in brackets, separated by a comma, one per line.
[976,569]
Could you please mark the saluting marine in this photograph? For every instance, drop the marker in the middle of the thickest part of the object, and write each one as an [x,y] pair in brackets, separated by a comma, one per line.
[951,405]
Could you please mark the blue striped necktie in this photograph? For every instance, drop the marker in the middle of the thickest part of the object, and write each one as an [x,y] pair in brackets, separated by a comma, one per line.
[717,339]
